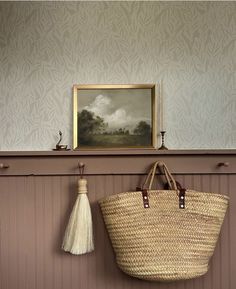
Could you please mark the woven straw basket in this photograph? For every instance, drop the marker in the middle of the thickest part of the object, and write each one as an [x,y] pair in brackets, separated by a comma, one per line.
[164,235]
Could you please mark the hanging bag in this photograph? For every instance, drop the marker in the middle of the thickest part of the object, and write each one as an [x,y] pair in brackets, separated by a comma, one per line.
[164,235]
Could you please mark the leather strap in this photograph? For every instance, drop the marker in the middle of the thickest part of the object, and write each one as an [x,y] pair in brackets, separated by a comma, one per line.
[145,199]
[182,198]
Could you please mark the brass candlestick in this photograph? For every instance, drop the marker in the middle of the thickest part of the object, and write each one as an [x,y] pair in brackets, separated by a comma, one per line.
[163,147]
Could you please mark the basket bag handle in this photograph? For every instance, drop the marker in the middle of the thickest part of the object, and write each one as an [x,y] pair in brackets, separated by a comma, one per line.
[170,180]
[173,185]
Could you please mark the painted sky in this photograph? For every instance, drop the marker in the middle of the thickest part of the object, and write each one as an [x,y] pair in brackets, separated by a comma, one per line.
[119,108]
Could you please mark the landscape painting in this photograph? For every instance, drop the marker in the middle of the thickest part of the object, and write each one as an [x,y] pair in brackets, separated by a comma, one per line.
[113,116]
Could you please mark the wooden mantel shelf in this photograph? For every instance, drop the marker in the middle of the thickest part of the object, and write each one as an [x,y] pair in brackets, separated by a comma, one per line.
[121,152]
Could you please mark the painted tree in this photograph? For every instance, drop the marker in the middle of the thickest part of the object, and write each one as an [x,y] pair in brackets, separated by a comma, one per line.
[143,129]
[88,125]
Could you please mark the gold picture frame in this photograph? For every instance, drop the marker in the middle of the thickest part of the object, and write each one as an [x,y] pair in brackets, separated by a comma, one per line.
[114,116]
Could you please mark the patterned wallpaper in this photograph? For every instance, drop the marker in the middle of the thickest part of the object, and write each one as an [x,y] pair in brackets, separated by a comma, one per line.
[46,47]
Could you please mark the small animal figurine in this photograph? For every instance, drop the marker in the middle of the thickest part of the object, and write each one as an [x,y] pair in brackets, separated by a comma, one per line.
[60,147]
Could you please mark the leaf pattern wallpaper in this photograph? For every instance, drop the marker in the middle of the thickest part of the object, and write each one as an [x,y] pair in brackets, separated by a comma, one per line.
[46,47]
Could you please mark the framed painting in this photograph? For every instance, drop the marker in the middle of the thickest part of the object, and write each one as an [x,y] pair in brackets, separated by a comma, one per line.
[114,116]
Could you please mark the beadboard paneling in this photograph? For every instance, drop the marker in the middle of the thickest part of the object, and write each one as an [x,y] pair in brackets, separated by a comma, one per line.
[34,211]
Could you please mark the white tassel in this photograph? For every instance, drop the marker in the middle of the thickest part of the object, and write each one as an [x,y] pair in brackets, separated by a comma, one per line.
[78,237]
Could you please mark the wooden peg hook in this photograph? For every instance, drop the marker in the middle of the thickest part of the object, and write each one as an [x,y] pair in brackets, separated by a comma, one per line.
[81,169]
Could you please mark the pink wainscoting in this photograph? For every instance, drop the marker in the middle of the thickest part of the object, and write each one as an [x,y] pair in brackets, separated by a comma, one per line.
[37,192]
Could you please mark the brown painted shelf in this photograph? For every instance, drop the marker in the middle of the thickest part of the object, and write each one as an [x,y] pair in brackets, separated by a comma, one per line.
[120,152]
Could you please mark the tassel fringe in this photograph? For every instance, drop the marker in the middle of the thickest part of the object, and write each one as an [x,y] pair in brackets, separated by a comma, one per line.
[78,237]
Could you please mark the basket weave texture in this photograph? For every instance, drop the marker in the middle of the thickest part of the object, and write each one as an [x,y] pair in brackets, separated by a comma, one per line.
[164,242]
